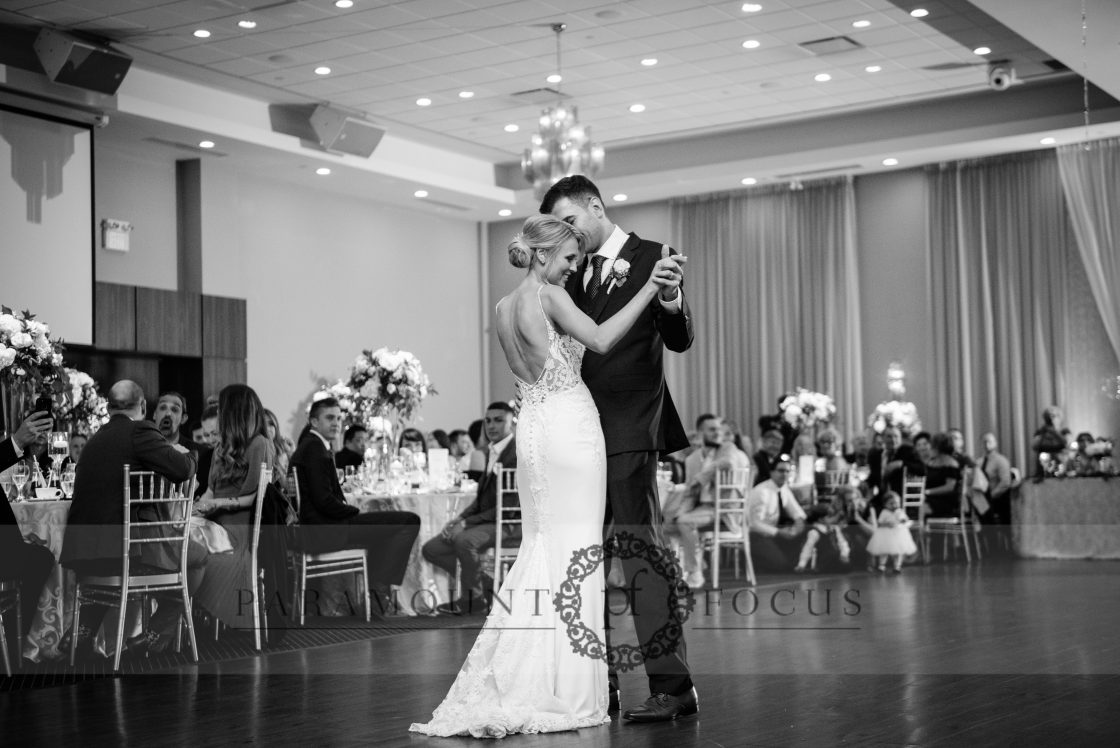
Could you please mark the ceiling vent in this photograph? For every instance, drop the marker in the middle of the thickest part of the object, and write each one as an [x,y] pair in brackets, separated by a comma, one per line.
[539,96]
[830,46]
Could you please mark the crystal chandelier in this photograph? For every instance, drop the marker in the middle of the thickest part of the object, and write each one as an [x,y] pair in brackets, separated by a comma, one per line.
[563,146]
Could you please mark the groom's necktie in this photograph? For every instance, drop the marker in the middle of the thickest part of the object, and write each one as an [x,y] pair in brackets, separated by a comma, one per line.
[595,285]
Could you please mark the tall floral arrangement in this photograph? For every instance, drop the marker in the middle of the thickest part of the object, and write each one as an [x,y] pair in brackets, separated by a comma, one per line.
[806,409]
[82,406]
[30,362]
[386,380]
[340,391]
[900,413]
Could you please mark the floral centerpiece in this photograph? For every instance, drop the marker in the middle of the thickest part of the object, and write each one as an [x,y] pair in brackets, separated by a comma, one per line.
[388,380]
[30,362]
[899,413]
[806,409]
[83,407]
[341,392]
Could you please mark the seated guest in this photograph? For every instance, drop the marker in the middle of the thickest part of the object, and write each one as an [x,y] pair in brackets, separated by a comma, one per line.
[694,507]
[169,415]
[30,564]
[732,434]
[232,490]
[826,521]
[777,521]
[944,481]
[328,523]
[831,468]
[438,439]
[888,464]
[209,421]
[857,448]
[77,444]
[478,455]
[769,455]
[95,525]
[461,448]
[466,537]
[353,452]
[959,454]
[779,423]
[195,430]
[280,443]
[997,470]
[861,524]
[1049,439]
[923,446]
[1082,463]
[412,440]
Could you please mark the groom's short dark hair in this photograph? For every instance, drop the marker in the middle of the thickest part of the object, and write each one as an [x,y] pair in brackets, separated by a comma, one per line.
[577,188]
[500,405]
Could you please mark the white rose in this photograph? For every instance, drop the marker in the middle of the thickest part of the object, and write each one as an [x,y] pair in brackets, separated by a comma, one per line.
[35,327]
[9,325]
[391,389]
[21,340]
[371,389]
[7,356]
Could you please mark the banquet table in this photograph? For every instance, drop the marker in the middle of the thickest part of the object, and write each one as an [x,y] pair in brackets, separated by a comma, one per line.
[1067,518]
[44,522]
[425,586]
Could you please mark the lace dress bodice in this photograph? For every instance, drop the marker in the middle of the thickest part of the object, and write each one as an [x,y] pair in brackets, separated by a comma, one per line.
[561,368]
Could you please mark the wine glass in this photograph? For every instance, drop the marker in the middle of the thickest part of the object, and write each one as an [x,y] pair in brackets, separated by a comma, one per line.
[6,484]
[58,444]
[66,481]
[21,473]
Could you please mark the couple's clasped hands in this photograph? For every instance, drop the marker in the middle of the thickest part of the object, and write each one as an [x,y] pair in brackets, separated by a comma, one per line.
[667,274]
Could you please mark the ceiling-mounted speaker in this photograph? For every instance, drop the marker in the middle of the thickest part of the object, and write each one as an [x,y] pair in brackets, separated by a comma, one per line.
[343,132]
[76,62]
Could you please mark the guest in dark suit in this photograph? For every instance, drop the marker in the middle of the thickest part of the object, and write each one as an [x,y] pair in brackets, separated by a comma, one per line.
[95,526]
[169,416]
[768,455]
[888,463]
[637,413]
[30,564]
[465,538]
[353,451]
[327,522]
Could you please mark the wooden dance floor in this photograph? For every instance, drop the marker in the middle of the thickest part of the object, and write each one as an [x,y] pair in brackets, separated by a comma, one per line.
[993,654]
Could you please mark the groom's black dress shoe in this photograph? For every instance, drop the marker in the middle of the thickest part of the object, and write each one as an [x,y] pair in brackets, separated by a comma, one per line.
[614,700]
[662,707]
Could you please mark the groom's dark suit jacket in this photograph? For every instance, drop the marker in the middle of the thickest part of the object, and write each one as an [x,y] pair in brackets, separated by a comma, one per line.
[628,383]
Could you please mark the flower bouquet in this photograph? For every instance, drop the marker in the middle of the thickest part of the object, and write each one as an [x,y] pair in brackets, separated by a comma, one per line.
[341,392]
[385,380]
[898,413]
[83,407]
[29,362]
[806,409]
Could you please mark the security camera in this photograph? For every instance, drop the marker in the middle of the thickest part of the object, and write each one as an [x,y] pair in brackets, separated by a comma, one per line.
[1001,76]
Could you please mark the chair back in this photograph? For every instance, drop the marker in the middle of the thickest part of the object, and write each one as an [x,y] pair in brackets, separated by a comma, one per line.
[508,514]
[169,504]
[829,481]
[258,508]
[913,495]
[291,487]
[732,485]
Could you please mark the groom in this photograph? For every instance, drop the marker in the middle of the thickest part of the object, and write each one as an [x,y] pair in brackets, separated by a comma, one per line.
[638,417]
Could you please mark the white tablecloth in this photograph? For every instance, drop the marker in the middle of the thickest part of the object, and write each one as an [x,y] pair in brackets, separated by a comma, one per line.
[46,521]
[1068,518]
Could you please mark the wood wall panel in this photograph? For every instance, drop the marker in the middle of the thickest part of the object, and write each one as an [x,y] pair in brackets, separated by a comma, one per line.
[114,317]
[218,372]
[224,327]
[168,322]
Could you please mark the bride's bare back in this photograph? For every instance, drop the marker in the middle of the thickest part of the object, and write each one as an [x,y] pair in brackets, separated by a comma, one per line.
[522,331]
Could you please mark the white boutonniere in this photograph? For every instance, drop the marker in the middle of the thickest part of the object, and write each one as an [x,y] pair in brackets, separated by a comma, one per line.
[620,272]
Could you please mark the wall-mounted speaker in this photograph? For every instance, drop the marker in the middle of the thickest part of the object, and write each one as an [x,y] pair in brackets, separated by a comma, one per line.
[76,62]
[346,133]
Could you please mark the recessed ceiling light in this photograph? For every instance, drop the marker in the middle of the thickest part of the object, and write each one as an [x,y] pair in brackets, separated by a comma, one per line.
[748,181]
[620,197]
[752,44]
[982,51]
[423,101]
[202,33]
[466,94]
[247,24]
[420,193]
[861,24]
[322,70]
[512,127]
[751,7]
[649,62]
[1048,141]
[919,12]
[344,3]
[637,108]
[504,212]
[206,144]
[322,171]
[873,68]
[822,77]
[554,78]
[890,162]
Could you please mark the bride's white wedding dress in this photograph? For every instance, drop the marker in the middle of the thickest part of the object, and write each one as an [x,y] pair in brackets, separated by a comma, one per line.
[523,674]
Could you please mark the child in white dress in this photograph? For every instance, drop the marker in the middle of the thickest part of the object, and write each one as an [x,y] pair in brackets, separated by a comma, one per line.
[892,536]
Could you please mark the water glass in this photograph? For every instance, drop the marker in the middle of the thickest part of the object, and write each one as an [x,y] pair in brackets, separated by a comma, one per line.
[66,481]
[21,473]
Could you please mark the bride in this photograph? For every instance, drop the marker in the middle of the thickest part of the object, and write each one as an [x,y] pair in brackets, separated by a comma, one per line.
[524,675]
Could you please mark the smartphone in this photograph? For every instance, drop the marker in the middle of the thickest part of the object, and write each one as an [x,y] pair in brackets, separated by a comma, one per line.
[44,403]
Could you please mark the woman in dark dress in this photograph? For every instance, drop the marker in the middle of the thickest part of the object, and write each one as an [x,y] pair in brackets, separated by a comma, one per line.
[234,476]
[943,479]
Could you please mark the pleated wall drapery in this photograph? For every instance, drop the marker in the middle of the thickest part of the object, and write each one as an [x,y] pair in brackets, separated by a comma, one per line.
[1014,325]
[772,281]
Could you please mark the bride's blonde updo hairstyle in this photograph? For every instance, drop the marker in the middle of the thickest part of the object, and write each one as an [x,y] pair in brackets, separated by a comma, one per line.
[544,233]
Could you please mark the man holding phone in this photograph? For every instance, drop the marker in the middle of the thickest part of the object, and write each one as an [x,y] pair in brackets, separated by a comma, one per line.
[30,564]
